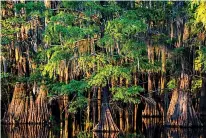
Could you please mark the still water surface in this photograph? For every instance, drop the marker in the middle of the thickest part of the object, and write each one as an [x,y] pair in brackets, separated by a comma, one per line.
[150,128]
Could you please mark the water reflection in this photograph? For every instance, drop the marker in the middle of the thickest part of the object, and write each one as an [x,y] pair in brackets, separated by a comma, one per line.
[33,131]
[25,131]
[105,135]
[151,128]
[185,133]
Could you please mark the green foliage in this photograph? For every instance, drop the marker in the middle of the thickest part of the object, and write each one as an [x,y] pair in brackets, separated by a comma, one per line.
[201,59]
[106,41]
[200,12]
[127,95]
[66,34]
[172,84]
[84,134]
[10,27]
[79,103]
[63,19]
[5,75]
[122,27]
[196,84]
[54,55]
[118,54]
[87,62]
[33,9]
[101,78]
[132,49]
[36,76]
[74,86]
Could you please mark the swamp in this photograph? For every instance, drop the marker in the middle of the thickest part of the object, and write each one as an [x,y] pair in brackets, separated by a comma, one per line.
[103,69]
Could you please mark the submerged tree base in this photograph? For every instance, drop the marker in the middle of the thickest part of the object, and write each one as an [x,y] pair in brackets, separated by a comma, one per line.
[181,112]
[152,109]
[23,109]
[106,123]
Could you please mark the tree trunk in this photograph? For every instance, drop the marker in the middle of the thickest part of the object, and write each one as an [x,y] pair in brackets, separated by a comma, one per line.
[41,103]
[16,111]
[135,116]
[203,96]
[66,102]
[106,123]
[121,119]
[127,125]
[94,108]
[181,111]
[149,109]
[73,125]
[88,112]
[163,75]
[99,103]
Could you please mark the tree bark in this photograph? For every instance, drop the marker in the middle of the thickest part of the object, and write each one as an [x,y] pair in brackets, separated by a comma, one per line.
[203,96]
[135,116]
[106,123]
[16,111]
[163,75]
[181,112]
[99,103]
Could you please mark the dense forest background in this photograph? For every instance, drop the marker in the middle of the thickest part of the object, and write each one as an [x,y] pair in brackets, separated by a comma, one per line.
[103,64]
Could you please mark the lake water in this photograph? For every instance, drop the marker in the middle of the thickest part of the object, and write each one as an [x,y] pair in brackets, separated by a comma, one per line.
[150,128]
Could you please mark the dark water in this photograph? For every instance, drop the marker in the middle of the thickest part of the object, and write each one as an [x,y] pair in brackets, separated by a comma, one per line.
[150,128]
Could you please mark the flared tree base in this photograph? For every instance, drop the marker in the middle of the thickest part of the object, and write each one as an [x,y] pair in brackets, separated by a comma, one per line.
[106,123]
[181,112]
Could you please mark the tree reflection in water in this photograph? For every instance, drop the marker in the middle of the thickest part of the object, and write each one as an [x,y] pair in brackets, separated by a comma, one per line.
[105,135]
[26,131]
[151,128]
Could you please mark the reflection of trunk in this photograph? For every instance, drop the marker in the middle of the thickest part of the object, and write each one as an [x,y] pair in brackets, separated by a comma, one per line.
[184,133]
[27,131]
[106,123]
[203,96]
[181,111]
[150,126]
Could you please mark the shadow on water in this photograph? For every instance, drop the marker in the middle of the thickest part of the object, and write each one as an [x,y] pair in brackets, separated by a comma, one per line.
[151,128]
